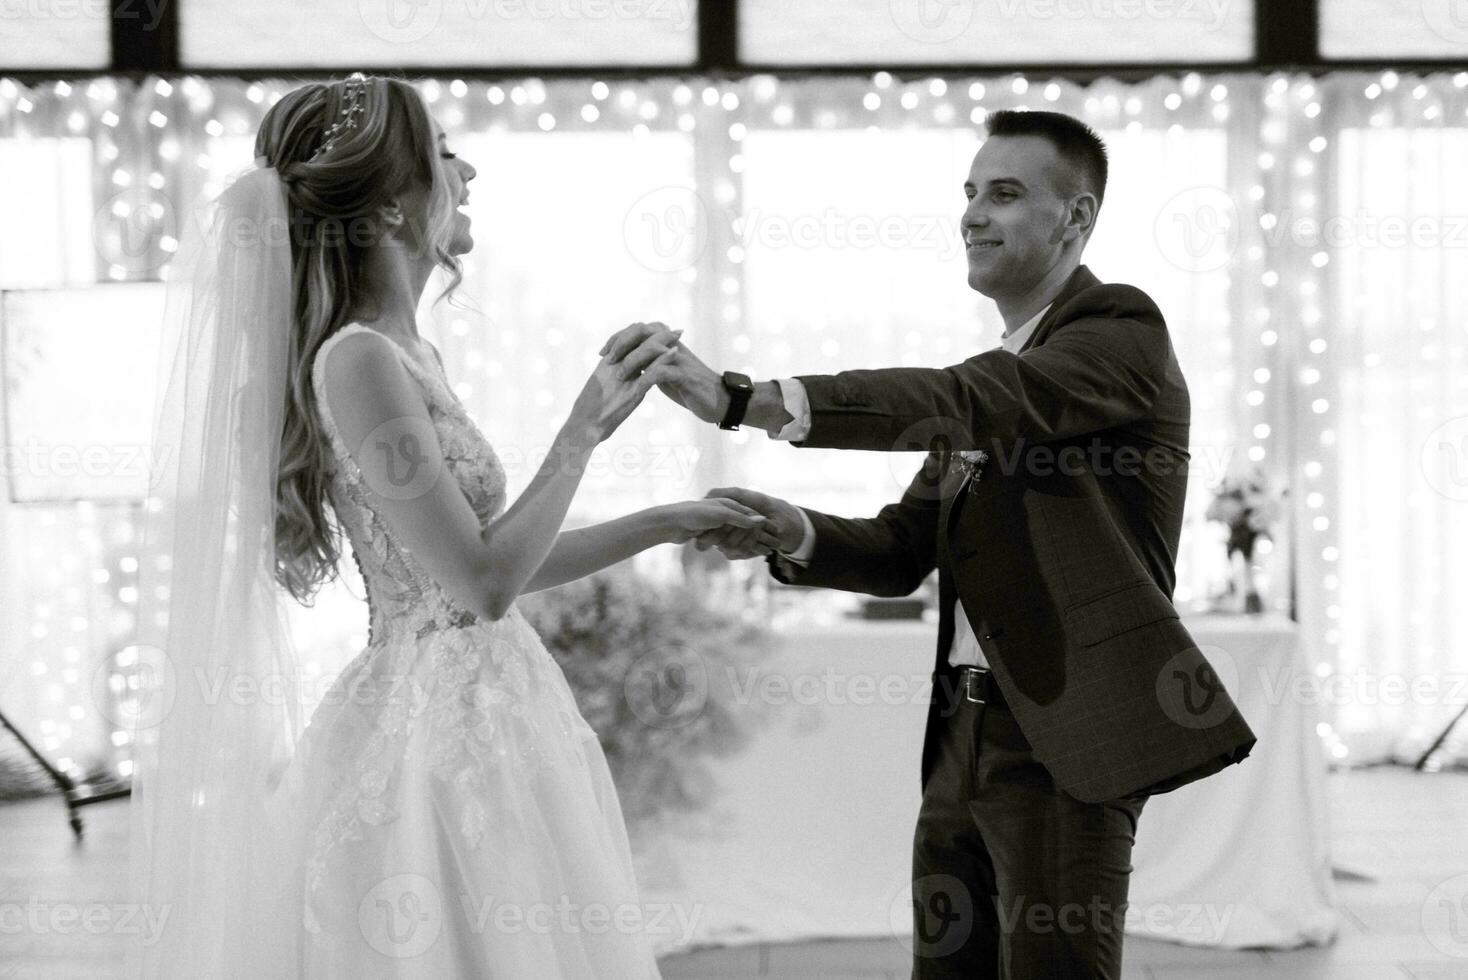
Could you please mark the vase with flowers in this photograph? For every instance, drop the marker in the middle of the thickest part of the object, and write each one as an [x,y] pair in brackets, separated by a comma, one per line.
[1248,505]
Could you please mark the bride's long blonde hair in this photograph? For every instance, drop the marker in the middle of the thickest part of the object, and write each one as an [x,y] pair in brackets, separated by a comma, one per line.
[332,200]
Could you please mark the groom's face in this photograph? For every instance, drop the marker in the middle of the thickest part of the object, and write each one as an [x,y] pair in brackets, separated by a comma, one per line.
[1014,226]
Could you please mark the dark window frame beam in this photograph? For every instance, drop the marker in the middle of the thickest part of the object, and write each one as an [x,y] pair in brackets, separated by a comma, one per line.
[145,41]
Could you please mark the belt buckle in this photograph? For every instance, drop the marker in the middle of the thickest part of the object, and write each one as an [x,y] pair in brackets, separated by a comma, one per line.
[971,678]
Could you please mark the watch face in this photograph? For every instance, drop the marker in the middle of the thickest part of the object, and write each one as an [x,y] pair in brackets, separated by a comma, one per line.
[739,381]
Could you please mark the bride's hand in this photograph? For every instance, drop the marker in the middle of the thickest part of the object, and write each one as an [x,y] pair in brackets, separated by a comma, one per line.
[691,518]
[617,387]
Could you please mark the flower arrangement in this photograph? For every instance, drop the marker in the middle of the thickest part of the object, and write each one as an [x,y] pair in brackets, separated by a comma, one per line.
[971,464]
[654,671]
[1248,505]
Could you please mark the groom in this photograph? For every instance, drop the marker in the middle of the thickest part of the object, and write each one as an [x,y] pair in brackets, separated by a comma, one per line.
[1066,690]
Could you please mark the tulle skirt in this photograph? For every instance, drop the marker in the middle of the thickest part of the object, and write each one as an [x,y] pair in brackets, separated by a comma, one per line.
[450,814]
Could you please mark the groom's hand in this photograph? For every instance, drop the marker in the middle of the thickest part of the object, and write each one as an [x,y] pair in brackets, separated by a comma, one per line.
[682,376]
[783,530]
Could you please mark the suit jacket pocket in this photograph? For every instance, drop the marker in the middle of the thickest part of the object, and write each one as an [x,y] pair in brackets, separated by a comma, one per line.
[1128,608]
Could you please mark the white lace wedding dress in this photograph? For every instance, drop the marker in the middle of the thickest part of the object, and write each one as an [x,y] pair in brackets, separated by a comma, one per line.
[462,822]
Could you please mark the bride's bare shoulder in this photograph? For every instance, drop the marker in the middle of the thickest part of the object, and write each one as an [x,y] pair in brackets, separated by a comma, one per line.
[412,347]
[362,376]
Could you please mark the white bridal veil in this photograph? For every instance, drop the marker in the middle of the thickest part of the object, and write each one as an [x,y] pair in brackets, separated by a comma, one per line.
[215,712]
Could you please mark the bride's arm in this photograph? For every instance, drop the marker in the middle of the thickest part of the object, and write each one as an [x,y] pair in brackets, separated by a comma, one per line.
[581,551]
[377,406]
[584,550]
[530,553]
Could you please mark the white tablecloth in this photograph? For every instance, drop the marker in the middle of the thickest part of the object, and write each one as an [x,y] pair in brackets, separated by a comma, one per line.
[810,834]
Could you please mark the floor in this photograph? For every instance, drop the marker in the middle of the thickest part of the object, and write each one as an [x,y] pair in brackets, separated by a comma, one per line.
[1406,832]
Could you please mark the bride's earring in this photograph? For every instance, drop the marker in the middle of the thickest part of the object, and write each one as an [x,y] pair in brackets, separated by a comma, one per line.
[391,221]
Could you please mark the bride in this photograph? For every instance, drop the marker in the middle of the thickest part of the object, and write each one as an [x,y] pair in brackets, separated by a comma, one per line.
[447,812]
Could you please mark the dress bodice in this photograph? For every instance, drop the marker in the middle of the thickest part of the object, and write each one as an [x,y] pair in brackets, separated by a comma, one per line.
[402,599]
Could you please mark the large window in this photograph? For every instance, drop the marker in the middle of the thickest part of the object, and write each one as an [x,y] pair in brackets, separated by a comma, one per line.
[1401,362]
[791,228]
[852,258]
[38,34]
[387,33]
[46,197]
[1079,36]
[1394,29]
[1303,236]
[567,252]
[993,31]
[57,345]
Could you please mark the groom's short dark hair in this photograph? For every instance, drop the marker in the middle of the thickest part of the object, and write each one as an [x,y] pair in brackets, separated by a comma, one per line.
[1075,143]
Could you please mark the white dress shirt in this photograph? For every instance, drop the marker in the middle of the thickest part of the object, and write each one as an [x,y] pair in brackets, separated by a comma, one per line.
[965,649]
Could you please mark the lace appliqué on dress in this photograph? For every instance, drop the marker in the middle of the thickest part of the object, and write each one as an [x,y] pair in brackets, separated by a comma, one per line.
[400,595]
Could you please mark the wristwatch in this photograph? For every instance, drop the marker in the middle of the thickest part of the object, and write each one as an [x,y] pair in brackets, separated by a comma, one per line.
[740,389]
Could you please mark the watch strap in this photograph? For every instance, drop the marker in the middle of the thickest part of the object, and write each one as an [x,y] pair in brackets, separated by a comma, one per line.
[739,396]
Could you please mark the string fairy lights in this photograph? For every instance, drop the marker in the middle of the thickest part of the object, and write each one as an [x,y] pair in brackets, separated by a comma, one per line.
[155,144]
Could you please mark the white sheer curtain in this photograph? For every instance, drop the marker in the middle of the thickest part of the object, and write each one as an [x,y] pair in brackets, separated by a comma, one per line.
[799,226]
[1386,578]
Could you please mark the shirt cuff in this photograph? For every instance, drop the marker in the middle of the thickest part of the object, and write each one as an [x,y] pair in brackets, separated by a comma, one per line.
[798,405]
[801,555]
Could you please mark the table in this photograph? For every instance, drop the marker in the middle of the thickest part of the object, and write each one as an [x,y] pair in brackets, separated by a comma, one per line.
[810,835]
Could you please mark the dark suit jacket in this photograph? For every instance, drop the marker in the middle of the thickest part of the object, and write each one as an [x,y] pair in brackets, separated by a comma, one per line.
[1063,551]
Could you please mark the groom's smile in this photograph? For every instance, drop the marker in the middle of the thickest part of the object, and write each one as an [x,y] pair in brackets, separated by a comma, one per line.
[1018,226]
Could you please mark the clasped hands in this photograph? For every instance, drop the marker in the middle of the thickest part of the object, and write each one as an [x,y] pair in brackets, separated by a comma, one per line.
[691,383]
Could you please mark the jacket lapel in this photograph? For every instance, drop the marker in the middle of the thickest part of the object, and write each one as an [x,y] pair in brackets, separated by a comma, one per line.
[1081,278]
[954,504]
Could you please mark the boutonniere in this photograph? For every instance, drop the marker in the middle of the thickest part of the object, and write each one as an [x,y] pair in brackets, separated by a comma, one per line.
[971,465]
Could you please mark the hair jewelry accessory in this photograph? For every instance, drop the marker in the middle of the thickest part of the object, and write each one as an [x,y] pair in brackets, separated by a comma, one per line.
[356,85]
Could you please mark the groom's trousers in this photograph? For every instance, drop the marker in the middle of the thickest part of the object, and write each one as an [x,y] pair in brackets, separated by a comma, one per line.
[1012,877]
